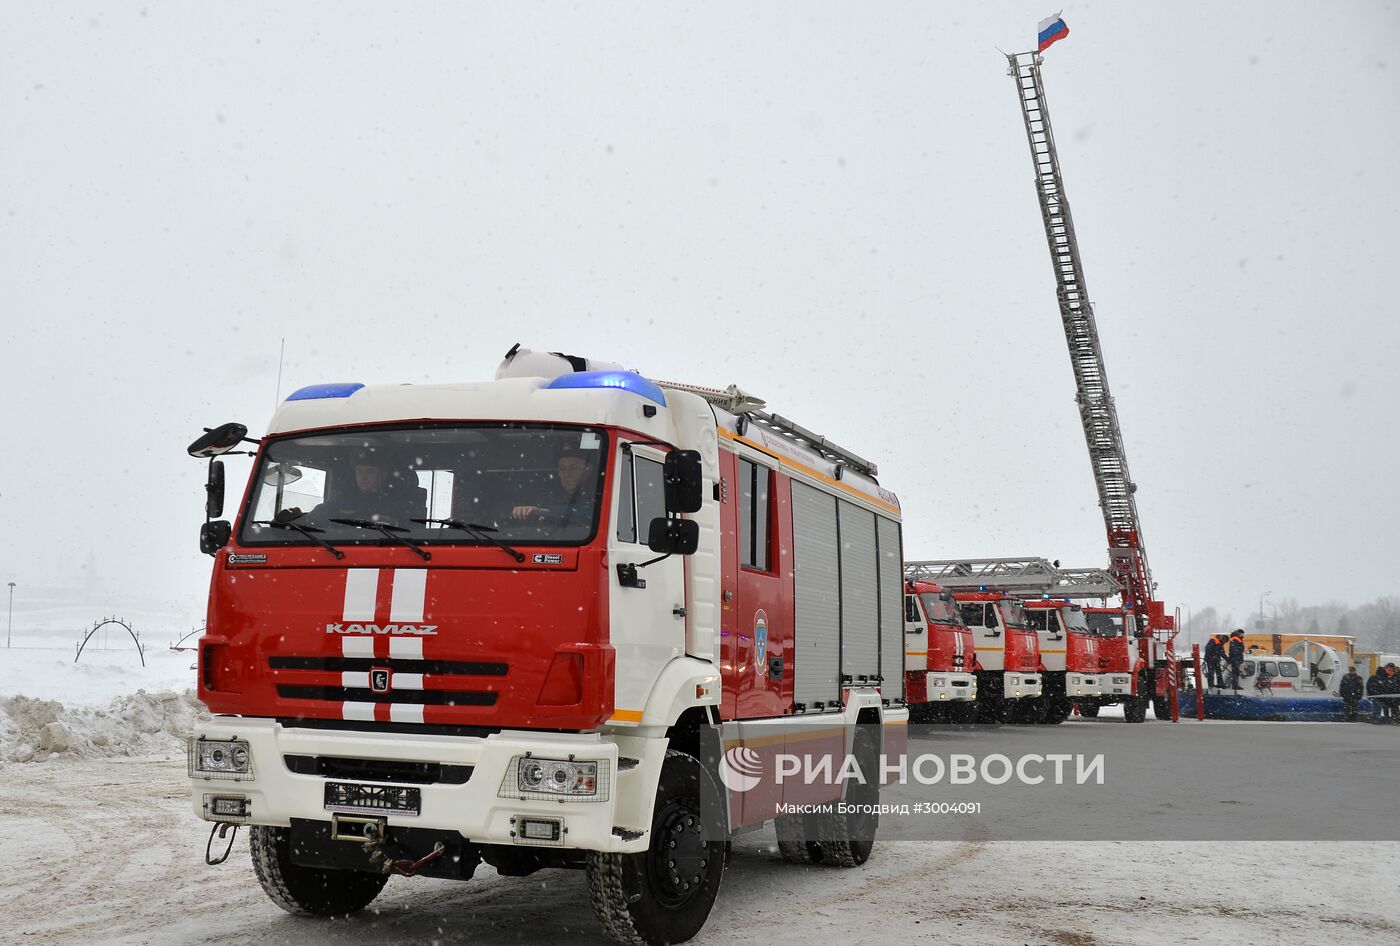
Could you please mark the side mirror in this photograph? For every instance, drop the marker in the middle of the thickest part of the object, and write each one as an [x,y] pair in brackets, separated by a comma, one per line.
[214,490]
[221,439]
[673,536]
[214,536]
[684,481]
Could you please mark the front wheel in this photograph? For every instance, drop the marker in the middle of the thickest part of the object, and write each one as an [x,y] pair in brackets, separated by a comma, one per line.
[664,894]
[1161,707]
[308,891]
[1089,710]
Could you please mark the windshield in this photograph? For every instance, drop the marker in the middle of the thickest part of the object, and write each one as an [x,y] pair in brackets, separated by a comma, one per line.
[941,608]
[1074,619]
[1013,614]
[1105,623]
[530,483]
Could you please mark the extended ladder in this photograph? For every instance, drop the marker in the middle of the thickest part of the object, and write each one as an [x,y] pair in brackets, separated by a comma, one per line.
[1017,576]
[1126,547]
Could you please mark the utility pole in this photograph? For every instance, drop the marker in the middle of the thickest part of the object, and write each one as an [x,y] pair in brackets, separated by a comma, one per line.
[10,626]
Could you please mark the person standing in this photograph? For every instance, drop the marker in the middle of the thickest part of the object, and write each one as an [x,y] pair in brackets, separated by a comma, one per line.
[1215,657]
[1389,676]
[1235,653]
[1351,689]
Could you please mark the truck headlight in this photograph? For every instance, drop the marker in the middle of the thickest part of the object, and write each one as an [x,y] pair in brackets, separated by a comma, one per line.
[553,777]
[214,758]
[939,681]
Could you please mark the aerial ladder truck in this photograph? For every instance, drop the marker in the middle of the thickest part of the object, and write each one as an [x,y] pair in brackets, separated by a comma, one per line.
[1153,631]
[1078,666]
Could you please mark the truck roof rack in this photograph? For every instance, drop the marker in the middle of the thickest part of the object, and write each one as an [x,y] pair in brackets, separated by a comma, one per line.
[737,401]
[1019,576]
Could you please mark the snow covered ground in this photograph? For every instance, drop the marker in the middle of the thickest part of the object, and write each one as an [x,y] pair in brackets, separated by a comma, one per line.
[98,844]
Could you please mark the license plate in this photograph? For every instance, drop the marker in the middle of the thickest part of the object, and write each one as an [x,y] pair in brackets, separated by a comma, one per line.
[394,799]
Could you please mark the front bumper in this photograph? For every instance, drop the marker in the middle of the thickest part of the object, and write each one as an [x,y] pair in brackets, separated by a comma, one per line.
[1018,686]
[1116,684]
[1082,684]
[951,687]
[476,807]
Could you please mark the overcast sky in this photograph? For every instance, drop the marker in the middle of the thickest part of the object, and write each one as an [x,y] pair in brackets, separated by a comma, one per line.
[828,204]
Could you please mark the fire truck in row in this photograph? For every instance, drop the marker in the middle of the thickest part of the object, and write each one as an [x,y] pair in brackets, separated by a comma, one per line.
[1085,657]
[565,618]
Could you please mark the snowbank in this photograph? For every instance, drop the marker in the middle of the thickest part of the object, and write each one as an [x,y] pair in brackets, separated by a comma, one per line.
[98,677]
[140,723]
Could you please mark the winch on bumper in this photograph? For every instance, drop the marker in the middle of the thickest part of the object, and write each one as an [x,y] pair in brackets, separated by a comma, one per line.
[1018,685]
[513,787]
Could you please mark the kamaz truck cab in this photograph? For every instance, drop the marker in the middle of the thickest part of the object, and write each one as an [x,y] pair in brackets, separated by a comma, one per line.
[940,655]
[1069,653]
[1008,656]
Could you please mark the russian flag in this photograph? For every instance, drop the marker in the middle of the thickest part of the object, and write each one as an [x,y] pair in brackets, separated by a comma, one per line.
[1052,30]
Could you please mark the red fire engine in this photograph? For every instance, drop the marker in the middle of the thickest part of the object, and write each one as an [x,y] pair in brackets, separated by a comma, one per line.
[940,656]
[1008,656]
[539,622]
[1070,654]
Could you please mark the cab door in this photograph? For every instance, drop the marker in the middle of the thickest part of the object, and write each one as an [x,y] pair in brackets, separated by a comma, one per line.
[647,612]
[763,617]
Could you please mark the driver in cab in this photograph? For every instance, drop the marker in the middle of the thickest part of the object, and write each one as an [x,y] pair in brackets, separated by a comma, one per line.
[567,502]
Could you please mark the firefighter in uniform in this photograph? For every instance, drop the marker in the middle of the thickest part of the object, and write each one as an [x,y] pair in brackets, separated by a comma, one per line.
[1215,657]
[1235,653]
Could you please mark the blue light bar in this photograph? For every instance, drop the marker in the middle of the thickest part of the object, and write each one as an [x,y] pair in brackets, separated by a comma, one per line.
[622,380]
[314,392]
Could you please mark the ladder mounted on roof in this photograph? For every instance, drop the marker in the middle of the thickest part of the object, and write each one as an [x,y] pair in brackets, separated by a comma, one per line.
[745,405]
[1018,576]
[1127,550]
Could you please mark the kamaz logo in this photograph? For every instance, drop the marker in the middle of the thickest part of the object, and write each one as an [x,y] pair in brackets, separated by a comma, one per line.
[419,629]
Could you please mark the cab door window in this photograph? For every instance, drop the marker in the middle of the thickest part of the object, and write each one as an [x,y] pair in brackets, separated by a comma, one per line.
[641,497]
[754,492]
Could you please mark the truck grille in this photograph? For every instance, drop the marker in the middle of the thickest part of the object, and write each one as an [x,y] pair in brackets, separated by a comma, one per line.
[409,681]
[378,770]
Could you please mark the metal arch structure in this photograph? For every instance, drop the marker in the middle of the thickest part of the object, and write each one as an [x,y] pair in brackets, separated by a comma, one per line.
[1025,576]
[98,625]
[1127,550]
[192,632]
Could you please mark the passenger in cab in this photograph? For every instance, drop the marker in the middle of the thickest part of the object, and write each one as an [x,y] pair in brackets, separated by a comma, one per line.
[375,493]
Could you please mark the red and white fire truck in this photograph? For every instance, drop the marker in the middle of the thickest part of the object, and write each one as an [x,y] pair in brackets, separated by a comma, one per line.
[565,618]
[1133,662]
[1008,656]
[940,656]
[1069,652]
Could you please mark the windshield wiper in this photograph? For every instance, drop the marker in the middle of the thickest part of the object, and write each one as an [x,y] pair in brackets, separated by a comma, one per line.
[391,532]
[479,532]
[308,531]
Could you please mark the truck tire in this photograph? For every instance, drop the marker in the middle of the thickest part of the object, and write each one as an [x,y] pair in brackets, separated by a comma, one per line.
[797,840]
[846,840]
[1162,707]
[1089,710]
[664,894]
[963,714]
[1135,709]
[308,891]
